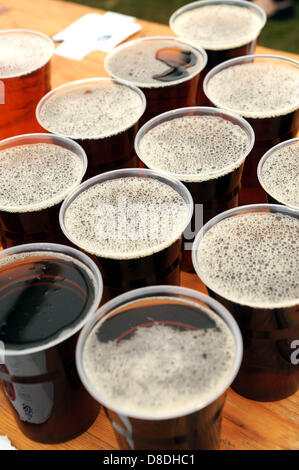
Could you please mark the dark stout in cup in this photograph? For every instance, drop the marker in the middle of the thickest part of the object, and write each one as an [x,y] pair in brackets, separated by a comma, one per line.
[166,69]
[131,222]
[37,172]
[248,259]
[205,148]
[46,298]
[101,115]
[24,79]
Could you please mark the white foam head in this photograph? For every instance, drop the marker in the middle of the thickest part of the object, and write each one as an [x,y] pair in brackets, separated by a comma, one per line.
[209,24]
[91,109]
[160,369]
[125,217]
[279,173]
[23,52]
[195,147]
[36,176]
[265,88]
[251,258]
[135,62]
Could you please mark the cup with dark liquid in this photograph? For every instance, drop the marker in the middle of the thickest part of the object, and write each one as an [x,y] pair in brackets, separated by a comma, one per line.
[166,69]
[168,355]
[248,259]
[101,115]
[24,79]
[204,148]
[224,28]
[37,172]
[278,172]
[264,90]
[131,222]
[49,292]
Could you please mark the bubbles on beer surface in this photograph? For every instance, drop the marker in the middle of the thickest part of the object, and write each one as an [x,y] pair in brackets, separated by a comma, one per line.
[126,218]
[137,63]
[160,369]
[256,90]
[36,176]
[252,259]
[280,175]
[195,148]
[91,111]
[23,52]
[219,27]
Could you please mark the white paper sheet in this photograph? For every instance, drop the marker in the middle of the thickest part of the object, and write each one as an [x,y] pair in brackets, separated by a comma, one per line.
[5,444]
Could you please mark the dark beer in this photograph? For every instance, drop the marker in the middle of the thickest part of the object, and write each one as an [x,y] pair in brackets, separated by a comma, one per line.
[225,29]
[166,69]
[278,173]
[131,222]
[167,357]
[24,79]
[99,114]
[47,294]
[37,172]
[205,148]
[248,259]
[252,87]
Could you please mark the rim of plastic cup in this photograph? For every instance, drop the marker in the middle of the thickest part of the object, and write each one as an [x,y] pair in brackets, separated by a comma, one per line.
[33,32]
[274,149]
[86,81]
[241,60]
[51,139]
[160,291]
[195,111]
[250,208]
[127,44]
[128,172]
[200,3]
[77,255]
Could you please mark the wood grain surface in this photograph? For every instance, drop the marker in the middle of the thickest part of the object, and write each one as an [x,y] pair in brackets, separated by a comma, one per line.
[246,424]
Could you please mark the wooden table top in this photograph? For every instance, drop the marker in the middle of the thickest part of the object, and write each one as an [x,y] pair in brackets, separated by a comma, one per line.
[246,424]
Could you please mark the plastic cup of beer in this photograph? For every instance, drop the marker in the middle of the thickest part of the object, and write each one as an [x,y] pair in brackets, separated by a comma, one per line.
[101,115]
[160,360]
[166,69]
[49,292]
[131,222]
[248,259]
[37,172]
[278,172]
[24,79]
[205,148]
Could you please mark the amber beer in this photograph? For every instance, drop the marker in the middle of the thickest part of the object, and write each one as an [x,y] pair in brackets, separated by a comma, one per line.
[48,293]
[248,259]
[166,69]
[264,90]
[224,28]
[37,172]
[101,115]
[168,355]
[24,79]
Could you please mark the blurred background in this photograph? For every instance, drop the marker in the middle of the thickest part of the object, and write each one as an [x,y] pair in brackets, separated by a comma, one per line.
[281,33]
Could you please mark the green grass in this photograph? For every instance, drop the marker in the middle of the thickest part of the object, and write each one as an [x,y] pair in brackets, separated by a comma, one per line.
[277,34]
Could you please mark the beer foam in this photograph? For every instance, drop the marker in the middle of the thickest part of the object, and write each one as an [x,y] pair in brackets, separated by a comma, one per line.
[256,90]
[160,369]
[91,111]
[280,175]
[195,148]
[252,259]
[23,52]
[219,27]
[126,218]
[136,62]
[37,176]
